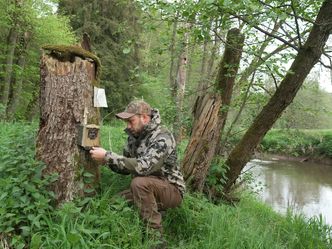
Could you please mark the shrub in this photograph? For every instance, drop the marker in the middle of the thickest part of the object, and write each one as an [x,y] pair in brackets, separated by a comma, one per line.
[325,146]
[298,142]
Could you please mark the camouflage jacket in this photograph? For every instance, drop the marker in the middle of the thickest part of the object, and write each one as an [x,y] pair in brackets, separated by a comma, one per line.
[152,153]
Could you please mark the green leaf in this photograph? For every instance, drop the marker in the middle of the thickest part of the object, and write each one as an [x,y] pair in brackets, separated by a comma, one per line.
[9,229]
[88,174]
[31,217]
[8,215]
[3,196]
[89,190]
[126,50]
[36,223]
[36,241]
[73,237]
[20,246]
[25,230]
[85,201]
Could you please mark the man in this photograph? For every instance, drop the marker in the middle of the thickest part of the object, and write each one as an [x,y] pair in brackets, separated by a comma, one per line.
[150,156]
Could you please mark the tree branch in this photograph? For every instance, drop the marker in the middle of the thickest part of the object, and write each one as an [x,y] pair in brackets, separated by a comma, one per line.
[266,32]
[246,94]
[324,65]
[287,33]
[296,23]
[290,14]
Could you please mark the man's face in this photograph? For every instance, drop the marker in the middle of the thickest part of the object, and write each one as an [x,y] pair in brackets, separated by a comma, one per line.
[136,123]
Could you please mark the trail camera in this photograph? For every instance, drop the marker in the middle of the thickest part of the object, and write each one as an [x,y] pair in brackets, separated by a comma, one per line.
[88,136]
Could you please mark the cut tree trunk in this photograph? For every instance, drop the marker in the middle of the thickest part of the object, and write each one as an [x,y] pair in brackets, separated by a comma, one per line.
[209,118]
[66,95]
[199,152]
[308,55]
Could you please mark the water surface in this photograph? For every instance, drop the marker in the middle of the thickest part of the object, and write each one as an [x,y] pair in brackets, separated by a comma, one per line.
[304,187]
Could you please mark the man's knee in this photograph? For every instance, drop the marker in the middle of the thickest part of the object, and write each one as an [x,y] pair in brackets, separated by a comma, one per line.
[138,182]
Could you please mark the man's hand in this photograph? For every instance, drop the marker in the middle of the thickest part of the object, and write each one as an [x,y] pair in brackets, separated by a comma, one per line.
[98,154]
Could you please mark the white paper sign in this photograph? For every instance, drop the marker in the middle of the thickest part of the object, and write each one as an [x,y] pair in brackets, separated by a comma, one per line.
[99,99]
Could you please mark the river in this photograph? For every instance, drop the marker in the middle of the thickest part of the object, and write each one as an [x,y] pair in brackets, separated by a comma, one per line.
[304,187]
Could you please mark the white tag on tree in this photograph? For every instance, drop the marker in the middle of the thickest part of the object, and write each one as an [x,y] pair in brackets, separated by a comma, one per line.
[99,99]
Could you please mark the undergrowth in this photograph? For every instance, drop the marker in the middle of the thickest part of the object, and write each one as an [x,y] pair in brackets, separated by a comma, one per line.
[28,218]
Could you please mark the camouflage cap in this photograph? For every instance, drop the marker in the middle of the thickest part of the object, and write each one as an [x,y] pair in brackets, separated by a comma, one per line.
[135,107]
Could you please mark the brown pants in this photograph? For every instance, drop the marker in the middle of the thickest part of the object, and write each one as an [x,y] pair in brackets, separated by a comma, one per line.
[152,194]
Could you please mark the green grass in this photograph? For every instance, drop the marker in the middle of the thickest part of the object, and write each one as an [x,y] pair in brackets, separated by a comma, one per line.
[113,137]
[29,220]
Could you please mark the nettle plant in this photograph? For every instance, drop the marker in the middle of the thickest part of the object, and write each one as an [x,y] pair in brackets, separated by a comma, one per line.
[25,199]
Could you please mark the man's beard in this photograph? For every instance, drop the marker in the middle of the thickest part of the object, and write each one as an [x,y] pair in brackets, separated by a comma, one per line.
[138,131]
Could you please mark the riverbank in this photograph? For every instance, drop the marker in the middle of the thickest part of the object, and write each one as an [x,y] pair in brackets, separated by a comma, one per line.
[297,145]
[303,159]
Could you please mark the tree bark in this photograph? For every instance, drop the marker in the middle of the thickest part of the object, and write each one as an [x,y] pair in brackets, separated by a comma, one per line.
[200,149]
[308,55]
[202,79]
[66,95]
[212,58]
[17,85]
[227,72]
[191,54]
[8,68]
[214,52]
[172,81]
[209,117]
[181,80]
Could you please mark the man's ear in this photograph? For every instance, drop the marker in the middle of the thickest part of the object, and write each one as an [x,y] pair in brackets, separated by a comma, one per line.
[146,118]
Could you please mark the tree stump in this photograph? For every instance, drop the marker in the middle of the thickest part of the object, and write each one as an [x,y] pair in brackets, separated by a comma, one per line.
[200,149]
[68,77]
[209,116]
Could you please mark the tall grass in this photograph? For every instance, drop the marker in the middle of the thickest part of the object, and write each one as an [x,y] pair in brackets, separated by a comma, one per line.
[107,221]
